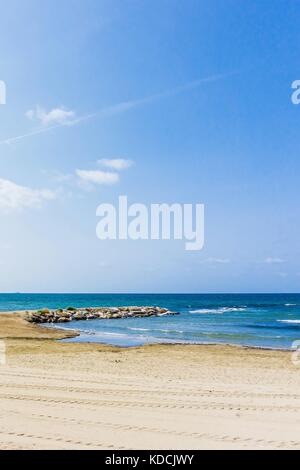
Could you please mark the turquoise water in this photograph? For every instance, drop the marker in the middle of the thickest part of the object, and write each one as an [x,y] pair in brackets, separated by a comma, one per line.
[271,321]
[261,320]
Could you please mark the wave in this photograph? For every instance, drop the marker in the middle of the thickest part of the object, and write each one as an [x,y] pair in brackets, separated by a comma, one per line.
[269,305]
[239,308]
[219,310]
[156,330]
[290,321]
[169,331]
[139,329]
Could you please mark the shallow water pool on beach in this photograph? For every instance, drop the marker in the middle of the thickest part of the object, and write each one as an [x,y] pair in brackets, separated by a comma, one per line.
[260,320]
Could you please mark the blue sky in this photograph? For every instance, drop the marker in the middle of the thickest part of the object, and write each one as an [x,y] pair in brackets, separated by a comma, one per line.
[230,142]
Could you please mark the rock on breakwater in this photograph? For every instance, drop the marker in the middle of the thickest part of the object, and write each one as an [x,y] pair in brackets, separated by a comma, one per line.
[75,314]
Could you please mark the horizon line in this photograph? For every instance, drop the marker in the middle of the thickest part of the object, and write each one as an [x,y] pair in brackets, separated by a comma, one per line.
[149,293]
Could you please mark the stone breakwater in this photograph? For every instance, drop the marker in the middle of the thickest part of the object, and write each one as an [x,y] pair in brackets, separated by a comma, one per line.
[75,314]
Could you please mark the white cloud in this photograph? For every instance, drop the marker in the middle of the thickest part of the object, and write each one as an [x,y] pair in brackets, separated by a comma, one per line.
[271,260]
[14,196]
[98,177]
[58,116]
[218,260]
[117,164]
[103,177]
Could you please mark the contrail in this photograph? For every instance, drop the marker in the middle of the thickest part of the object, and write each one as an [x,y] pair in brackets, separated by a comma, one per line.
[121,107]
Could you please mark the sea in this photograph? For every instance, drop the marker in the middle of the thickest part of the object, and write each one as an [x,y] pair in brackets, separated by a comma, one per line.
[254,320]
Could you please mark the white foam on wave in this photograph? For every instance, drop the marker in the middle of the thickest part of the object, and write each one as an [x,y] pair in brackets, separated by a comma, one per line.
[156,330]
[220,310]
[297,322]
[139,329]
[169,331]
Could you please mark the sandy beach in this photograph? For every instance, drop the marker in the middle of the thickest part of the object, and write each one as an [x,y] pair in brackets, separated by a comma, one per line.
[56,395]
